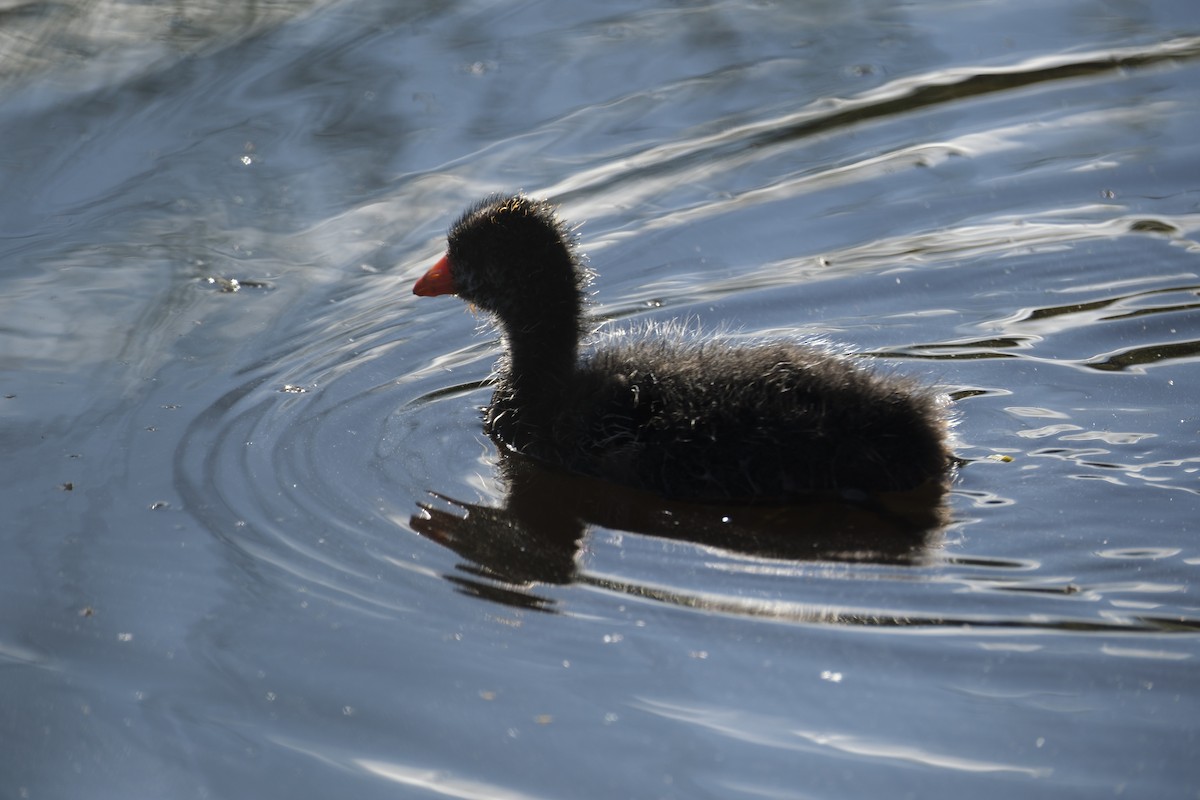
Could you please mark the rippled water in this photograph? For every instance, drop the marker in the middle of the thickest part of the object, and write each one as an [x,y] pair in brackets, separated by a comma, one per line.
[258,546]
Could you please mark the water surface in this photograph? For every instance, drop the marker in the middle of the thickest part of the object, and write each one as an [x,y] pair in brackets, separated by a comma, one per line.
[258,546]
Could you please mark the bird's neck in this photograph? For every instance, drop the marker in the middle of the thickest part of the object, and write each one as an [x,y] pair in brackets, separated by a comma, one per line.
[537,374]
[540,365]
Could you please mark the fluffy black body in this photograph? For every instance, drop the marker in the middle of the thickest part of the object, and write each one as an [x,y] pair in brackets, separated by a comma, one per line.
[696,420]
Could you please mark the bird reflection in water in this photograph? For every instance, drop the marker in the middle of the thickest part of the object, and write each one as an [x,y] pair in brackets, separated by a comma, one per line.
[536,536]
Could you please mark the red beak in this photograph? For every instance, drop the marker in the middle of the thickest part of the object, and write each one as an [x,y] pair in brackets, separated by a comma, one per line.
[439,280]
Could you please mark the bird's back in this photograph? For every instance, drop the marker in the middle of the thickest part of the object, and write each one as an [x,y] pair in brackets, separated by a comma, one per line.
[706,421]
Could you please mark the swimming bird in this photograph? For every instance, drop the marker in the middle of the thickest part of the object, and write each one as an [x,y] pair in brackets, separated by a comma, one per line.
[686,417]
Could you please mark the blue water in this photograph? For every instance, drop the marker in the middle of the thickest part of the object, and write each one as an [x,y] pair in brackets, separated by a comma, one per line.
[257,545]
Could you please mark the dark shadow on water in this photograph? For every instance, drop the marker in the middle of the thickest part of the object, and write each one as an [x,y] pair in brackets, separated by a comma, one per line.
[535,536]
[534,539]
